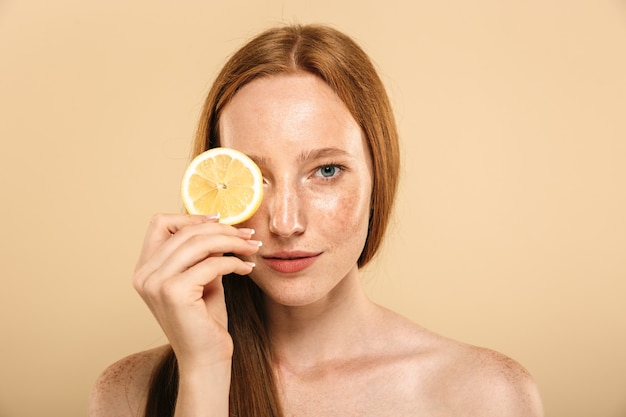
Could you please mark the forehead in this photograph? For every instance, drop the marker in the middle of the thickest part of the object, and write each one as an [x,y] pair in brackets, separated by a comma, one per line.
[292,109]
[299,91]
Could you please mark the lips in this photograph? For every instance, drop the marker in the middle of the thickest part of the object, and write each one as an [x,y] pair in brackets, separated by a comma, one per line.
[290,262]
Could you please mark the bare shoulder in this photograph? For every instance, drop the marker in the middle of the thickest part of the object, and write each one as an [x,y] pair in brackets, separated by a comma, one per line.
[453,378]
[500,385]
[482,382]
[122,389]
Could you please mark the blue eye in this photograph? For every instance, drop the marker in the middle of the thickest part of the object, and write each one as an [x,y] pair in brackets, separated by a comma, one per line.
[328,171]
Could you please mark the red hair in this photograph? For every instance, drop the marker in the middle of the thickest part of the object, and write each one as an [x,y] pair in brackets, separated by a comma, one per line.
[344,66]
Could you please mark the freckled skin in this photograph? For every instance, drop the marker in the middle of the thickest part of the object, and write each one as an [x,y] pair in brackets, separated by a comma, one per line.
[334,351]
[277,120]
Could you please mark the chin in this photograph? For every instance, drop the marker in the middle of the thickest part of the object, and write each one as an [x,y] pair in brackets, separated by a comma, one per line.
[290,293]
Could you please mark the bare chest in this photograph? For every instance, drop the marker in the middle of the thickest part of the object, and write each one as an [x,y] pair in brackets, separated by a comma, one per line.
[363,393]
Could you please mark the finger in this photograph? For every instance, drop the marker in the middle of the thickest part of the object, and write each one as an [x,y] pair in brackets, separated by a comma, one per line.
[183,236]
[160,230]
[199,247]
[163,226]
[219,266]
[189,287]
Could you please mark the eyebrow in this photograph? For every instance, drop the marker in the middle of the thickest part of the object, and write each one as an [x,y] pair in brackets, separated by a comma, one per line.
[305,156]
[321,153]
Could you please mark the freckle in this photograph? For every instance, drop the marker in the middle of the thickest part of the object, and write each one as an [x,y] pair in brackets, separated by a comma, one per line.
[509,368]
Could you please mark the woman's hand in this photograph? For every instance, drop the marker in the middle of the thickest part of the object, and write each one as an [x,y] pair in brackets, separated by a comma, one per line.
[179,276]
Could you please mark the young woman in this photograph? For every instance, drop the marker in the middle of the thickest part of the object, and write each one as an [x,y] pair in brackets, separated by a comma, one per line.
[283,328]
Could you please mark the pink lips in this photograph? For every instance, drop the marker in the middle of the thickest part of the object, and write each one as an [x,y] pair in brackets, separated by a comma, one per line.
[290,262]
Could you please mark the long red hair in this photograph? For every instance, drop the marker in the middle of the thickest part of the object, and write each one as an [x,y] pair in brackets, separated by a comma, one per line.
[344,66]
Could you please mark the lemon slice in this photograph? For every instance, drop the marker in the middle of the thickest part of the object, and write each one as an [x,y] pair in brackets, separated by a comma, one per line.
[224,181]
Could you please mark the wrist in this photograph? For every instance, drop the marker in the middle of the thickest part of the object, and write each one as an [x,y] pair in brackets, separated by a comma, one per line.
[204,391]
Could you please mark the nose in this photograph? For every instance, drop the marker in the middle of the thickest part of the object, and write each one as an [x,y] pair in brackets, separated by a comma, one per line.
[286,214]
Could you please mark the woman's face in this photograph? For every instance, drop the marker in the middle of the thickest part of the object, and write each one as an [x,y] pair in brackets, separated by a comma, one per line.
[313,221]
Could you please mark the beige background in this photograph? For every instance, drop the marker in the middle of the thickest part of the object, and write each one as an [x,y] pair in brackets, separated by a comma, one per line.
[511,224]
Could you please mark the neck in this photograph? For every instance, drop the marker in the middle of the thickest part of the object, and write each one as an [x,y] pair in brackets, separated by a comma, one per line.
[328,330]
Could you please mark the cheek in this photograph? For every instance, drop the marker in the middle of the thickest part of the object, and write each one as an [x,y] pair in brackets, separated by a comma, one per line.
[344,213]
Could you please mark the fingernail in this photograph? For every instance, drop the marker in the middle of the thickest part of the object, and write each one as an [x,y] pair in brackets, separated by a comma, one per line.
[211,217]
[245,232]
[252,264]
[255,242]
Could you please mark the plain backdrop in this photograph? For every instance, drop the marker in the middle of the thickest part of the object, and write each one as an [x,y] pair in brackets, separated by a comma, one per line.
[510,229]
